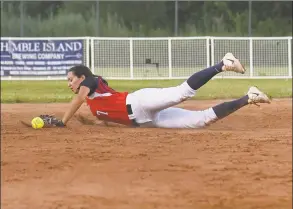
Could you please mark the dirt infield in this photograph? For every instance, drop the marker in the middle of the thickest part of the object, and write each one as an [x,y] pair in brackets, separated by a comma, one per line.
[241,162]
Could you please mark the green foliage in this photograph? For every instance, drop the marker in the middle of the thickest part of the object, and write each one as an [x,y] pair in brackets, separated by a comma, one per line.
[146,18]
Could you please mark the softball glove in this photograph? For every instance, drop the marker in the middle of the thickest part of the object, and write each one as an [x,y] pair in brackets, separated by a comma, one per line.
[50,120]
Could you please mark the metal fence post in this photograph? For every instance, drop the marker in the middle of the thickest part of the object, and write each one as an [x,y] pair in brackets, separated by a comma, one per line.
[176,18]
[249,18]
[131,57]
[21,8]
[251,57]
[170,57]
[290,56]
[98,18]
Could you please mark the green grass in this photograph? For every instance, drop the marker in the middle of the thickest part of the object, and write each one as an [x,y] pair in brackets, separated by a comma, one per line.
[57,91]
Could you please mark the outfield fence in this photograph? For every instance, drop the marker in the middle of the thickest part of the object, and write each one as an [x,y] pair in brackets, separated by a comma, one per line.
[143,58]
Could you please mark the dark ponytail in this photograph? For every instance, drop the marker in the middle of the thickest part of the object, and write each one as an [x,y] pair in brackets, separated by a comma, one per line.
[82,70]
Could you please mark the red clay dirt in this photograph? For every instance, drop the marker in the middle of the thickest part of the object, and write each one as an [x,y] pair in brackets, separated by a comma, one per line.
[241,162]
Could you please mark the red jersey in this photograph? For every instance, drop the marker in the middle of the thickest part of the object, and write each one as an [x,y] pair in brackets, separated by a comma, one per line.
[107,104]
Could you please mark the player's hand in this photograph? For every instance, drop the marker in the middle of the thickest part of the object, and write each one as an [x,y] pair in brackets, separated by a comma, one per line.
[50,120]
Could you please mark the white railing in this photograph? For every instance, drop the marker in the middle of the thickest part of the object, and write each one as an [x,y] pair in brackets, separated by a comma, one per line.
[151,58]
[180,57]
[262,57]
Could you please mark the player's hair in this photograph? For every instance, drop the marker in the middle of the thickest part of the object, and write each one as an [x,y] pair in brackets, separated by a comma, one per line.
[80,70]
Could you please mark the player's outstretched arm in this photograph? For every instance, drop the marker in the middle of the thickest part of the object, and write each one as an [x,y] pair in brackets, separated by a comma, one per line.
[76,103]
[51,121]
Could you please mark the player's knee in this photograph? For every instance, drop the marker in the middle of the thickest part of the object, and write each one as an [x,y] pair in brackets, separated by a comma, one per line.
[208,116]
[184,92]
[204,118]
[199,119]
[180,97]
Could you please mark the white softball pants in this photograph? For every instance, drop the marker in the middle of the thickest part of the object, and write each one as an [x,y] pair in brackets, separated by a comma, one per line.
[152,107]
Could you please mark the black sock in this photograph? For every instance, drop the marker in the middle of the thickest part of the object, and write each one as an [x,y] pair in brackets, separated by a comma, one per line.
[198,79]
[226,108]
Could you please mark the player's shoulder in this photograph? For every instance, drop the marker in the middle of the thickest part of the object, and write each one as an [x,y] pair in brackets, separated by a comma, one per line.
[89,82]
[102,79]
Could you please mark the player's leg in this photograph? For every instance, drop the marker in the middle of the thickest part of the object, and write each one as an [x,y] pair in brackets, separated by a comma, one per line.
[174,117]
[156,99]
[181,118]
[228,63]
[253,96]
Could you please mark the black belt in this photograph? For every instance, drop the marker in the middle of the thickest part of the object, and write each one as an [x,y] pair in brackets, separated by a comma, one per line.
[130,114]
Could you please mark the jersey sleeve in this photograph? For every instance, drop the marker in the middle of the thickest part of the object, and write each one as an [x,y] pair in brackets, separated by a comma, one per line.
[91,83]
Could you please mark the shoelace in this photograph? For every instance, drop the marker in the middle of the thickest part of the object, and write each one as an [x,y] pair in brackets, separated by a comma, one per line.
[254,103]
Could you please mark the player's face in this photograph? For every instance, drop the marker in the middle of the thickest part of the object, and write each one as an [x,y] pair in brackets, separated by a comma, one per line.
[74,82]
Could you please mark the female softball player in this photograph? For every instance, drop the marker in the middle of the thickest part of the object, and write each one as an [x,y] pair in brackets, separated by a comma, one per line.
[152,107]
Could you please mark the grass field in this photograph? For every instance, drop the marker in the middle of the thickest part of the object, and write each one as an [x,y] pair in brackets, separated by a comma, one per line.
[57,91]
